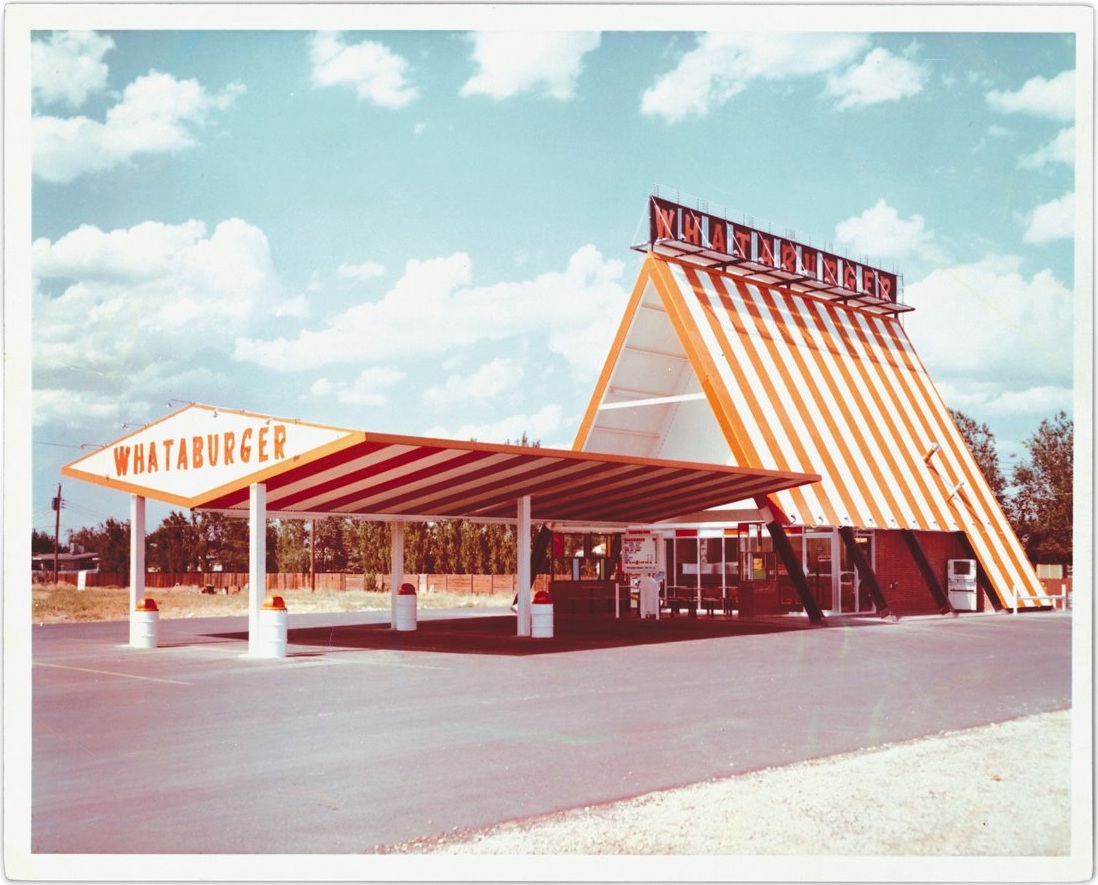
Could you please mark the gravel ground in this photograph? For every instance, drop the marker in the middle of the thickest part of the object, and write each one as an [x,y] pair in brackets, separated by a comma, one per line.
[999,790]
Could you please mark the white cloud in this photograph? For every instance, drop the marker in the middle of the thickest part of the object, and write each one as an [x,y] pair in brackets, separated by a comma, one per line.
[1054,220]
[369,69]
[367,270]
[978,79]
[296,307]
[880,77]
[157,114]
[68,66]
[1060,150]
[137,303]
[369,388]
[724,64]
[879,232]
[510,64]
[1032,401]
[435,308]
[488,382]
[1053,99]
[131,255]
[993,340]
[62,407]
[542,426]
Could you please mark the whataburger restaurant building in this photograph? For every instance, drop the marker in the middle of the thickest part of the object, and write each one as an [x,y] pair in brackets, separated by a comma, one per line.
[762,425]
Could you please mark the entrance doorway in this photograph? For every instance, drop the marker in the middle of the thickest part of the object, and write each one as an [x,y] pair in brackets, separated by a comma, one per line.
[819,566]
[852,596]
[831,574]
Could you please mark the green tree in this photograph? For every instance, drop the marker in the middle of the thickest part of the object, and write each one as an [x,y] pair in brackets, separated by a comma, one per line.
[331,536]
[419,558]
[173,546]
[223,539]
[291,552]
[41,542]
[1041,508]
[981,443]
[473,547]
[111,540]
[500,542]
[271,546]
[369,551]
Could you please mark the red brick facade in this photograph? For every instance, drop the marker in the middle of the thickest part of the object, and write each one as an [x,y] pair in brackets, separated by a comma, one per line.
[895,564]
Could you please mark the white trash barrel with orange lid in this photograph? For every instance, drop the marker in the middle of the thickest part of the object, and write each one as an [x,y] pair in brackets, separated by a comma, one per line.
[541,616]
[272,628]
[406,607]
[145,624]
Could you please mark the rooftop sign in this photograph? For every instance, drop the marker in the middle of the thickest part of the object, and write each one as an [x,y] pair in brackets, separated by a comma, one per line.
[200,450]
[719,244]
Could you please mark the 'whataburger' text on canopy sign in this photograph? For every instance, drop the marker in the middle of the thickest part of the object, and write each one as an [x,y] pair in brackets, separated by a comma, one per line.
[181,458]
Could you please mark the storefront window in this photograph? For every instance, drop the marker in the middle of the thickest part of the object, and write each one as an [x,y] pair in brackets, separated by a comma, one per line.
[731,561]
[582,556]
[686,562]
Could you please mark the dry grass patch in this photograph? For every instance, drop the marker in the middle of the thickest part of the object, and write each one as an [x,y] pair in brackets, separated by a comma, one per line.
[63,603]
[60,603]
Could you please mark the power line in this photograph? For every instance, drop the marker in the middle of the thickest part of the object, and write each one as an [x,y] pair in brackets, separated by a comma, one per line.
[82,510]
[82,446]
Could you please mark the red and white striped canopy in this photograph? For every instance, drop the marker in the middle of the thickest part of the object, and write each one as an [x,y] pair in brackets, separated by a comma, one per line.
[400,476]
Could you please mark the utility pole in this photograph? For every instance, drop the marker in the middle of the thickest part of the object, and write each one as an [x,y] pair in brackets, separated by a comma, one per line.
[56,530]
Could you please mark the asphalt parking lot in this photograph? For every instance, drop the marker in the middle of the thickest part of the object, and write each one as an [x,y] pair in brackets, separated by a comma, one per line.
[362,737]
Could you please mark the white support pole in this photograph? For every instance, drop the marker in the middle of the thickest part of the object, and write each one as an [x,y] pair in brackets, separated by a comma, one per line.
[257,562]
[396,567]
[522,543]
[137,567]
[137,549]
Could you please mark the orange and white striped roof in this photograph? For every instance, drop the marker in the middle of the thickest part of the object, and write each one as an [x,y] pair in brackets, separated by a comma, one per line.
[206,457]
[714,367]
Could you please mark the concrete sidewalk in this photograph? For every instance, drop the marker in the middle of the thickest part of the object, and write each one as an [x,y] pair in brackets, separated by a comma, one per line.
[363,737]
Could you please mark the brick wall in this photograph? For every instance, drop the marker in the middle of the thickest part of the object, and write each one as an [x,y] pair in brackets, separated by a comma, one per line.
[894,563]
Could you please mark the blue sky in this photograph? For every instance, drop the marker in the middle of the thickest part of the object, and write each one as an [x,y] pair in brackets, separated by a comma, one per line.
[429,231]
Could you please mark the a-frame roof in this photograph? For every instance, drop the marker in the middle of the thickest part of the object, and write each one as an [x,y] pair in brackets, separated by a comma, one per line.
[207,458]
[713,366]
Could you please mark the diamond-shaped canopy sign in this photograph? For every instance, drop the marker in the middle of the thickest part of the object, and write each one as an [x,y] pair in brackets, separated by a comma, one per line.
[201,451]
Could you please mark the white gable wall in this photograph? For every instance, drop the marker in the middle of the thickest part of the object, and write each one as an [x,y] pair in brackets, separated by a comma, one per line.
[653,366]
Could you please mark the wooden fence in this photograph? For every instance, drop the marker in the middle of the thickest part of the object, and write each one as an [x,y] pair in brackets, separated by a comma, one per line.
[233,582]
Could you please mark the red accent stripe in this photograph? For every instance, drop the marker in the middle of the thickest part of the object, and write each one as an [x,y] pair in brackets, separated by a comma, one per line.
[441,498]
[342,480]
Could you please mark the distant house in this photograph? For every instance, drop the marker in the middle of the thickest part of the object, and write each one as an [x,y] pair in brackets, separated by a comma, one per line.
[67,563]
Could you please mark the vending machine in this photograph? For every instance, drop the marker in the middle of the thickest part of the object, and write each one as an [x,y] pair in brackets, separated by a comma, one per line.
[961,583]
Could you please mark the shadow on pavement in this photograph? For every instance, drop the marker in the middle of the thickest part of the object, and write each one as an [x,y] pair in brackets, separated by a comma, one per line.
[495,635]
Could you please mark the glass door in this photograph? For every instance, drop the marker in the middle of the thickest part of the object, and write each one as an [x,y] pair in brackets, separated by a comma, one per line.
[852,596]
[819,567]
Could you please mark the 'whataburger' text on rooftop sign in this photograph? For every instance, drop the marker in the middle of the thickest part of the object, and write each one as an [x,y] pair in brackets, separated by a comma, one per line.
[672,221]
